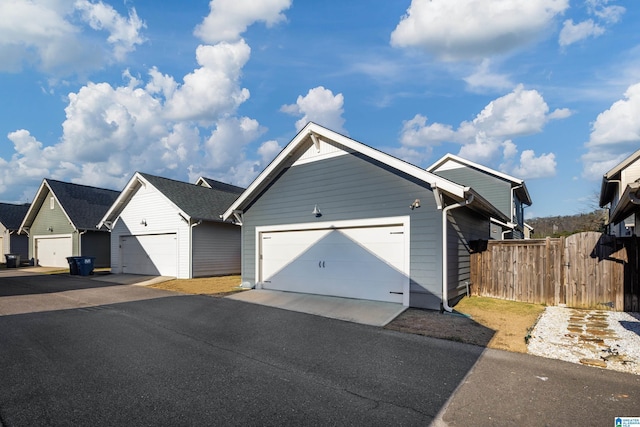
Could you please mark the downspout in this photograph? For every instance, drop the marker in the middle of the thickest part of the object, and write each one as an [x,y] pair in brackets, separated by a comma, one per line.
[191,226]
[80,233]
[445,275]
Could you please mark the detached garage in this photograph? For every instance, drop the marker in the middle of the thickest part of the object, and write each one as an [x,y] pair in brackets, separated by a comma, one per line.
[11,242]
[332,216]
[61,222]
[164,227]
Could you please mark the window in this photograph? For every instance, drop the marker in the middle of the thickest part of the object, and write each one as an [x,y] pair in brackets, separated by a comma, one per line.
[52,202]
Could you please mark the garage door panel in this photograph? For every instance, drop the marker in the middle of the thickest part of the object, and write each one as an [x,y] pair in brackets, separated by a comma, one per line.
[354,263]
[53,251]
[153,254]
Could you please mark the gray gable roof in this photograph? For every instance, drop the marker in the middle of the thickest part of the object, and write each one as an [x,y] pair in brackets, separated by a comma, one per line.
[84,205]
[223,186]
[196,201]
[11,216]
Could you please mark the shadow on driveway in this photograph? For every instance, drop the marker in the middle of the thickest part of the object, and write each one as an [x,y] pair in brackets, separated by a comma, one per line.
[33,282]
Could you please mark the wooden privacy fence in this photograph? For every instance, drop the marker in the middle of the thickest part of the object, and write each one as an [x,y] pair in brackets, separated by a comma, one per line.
[584,270]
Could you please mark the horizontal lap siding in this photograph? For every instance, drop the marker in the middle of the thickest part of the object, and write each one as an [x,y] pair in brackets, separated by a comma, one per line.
[463,228]
[160,216]
[349,187]
[493,189]
[216,249]
[54,218]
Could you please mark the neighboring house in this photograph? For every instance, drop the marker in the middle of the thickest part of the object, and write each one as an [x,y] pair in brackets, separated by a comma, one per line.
[164,227]
[11,242]
[528,231]
[61,222]
[620,192]
[332,216]
[508,194]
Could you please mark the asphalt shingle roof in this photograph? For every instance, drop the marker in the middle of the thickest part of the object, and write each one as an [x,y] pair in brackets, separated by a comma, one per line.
[196,201]
[85,205]
[11,216]
[223,186]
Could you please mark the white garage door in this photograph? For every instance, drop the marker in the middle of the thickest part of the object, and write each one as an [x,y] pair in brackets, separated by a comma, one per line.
[366,263]
[154,254]
[53,251]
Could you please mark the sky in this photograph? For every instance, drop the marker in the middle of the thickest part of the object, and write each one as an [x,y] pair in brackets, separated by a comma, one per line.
[92,91]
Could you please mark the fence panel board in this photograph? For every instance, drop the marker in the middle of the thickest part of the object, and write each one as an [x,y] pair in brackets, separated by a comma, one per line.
[585,270]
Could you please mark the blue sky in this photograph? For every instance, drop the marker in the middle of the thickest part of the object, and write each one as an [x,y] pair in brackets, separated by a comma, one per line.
[92,91]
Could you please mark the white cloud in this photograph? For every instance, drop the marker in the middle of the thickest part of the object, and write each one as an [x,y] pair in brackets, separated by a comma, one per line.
[483,79]
[572,33]
[224,144]
[609,14]
[124,34]
[158,126]
[521,112]
[604,16]
[614,134]
[268,151]
[620,124]
[51,35]
[416,133]
[213,89]
[535,167]
[488,137]
[228,19]
[472,29]
[319,105]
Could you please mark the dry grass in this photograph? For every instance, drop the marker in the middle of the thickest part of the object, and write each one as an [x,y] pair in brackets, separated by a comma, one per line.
[217,286]
[493,323]
[510,320]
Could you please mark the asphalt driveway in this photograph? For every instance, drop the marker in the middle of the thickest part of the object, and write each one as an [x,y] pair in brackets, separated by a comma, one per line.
[149,357]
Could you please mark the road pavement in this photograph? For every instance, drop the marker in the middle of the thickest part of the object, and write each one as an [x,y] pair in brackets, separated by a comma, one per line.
[149,357]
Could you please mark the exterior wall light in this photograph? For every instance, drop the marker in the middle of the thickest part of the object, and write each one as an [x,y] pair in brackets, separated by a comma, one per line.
[50,229]
[143,222]
[316,212]
[415,204]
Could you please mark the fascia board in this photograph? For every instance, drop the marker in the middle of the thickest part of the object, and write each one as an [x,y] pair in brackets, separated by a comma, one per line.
[33,209]
[487,206]
[125,196]
[622,165]
[433,180]
[627,204]
[486,169]
[38,201]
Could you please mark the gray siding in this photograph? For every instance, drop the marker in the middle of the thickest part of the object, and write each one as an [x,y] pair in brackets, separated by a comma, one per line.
[464,227]
[350,187]
[216,249]
[97,244]
[493,189]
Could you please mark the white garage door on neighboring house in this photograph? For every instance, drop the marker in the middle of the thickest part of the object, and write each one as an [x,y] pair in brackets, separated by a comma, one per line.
[53,251]
[352,262]
[153,254]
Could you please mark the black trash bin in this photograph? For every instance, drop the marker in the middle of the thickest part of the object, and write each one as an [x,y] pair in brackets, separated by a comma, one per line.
[73,265]
[85,265]
[13,260]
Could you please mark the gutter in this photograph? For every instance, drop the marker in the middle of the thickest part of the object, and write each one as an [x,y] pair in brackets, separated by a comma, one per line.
[191,226]
[445,276]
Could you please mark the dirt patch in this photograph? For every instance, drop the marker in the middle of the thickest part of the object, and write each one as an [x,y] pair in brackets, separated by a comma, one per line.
[214,286]
[492,323]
